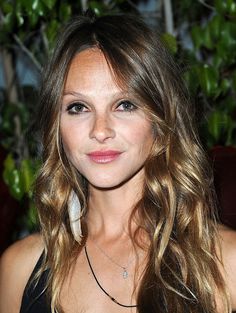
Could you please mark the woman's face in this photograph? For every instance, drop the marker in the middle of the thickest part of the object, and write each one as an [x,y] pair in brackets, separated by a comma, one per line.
[105,134]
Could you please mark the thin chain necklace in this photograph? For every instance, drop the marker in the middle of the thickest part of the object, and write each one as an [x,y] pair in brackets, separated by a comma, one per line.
[125,273]
[100,286]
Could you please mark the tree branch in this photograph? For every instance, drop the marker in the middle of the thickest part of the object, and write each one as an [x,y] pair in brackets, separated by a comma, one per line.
[132,5]
[27,52]
[168,17]
[44,39]
[206,5]
[84,5]
[9,76]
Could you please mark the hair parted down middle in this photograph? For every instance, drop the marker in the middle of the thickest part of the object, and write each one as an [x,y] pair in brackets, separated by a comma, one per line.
[177,206]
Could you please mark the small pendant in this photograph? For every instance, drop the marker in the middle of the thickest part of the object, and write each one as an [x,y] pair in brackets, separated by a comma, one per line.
[125,273]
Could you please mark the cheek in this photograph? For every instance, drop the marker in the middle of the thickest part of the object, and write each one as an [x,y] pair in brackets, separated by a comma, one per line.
[71,132]
[69,139]
[141,138]
[65,137]
[143,135]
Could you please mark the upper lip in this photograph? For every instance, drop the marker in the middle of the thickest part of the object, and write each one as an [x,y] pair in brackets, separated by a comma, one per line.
[104,152]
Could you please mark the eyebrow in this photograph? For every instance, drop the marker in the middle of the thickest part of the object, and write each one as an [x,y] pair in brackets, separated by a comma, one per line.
[71,93]
[78,94]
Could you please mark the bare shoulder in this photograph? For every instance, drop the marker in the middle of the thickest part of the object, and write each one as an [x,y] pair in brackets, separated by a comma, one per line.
[228,251]
[228,243]
[16,266]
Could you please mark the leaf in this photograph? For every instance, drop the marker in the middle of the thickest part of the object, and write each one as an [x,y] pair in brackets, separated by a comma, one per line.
[16,184]
[33,18]
[197,37]
[221,6]
[64,11]
[12,177]
[217,60]
[38,7]
[228,105]
[27,172]
[231,127]
[232,8]
[20,19]
[192,79]
[226,46]
[215,26]
[207,38]
[226,6]
[208,78]
[216,124]
[225,86]
[9,165]
[228,33]
[8,21]
[170,42]
[32,216]
[98,7]
[51,31]
[27,5]
[6,7]
[49,3]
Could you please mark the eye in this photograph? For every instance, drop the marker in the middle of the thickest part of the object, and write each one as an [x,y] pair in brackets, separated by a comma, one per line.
[76,108]
[126,106]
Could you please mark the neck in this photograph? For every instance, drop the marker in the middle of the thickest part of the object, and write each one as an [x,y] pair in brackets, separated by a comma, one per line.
[110,209]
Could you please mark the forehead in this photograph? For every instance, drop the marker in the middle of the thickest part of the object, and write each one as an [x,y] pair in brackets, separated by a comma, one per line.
[90,68]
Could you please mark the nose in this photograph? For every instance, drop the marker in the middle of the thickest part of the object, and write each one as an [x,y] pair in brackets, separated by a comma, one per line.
[102,128]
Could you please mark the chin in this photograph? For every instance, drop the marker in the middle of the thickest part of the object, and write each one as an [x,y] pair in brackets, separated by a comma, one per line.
[113,180]
[105,185]
[108,182]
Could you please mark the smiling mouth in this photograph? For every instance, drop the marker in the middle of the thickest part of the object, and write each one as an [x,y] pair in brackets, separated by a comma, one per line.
[104,157]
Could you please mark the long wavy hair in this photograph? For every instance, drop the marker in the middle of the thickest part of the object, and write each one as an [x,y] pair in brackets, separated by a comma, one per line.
[177,206]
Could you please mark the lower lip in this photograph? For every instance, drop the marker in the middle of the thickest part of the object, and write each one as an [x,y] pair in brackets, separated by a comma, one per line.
[103,159]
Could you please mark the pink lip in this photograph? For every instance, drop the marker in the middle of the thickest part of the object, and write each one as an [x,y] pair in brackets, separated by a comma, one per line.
[104,156]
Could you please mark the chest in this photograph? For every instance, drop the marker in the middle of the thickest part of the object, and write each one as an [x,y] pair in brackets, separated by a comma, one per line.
[88,287]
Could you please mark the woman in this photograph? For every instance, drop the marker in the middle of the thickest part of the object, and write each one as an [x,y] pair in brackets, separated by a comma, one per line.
[122,162]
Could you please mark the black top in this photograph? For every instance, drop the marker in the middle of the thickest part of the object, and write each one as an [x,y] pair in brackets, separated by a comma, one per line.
[34,298]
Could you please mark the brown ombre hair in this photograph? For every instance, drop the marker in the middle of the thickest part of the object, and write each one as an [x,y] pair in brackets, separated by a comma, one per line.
[177,207]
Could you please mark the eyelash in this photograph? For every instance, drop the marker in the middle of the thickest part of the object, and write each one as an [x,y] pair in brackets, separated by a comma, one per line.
[134,107]
[71,108]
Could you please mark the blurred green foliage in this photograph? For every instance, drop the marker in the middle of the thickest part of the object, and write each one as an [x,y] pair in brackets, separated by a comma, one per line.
[212,74]
[20,180]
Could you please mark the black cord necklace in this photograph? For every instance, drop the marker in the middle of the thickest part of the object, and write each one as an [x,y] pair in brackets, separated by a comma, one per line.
[99,285]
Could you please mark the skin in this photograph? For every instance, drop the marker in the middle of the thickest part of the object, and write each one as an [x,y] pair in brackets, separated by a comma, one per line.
[228,252]
[104,120]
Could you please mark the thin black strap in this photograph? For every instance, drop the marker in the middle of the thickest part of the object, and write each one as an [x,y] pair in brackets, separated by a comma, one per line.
[100,286]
